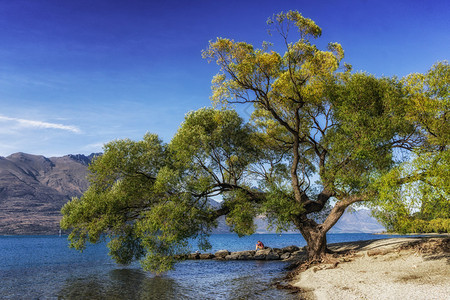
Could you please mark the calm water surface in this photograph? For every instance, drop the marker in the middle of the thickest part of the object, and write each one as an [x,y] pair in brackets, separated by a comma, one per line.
[43,267]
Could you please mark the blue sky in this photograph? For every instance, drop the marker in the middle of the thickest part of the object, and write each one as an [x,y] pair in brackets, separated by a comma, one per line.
[77,74]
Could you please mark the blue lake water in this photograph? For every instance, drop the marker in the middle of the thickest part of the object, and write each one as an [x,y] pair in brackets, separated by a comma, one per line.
[43,267]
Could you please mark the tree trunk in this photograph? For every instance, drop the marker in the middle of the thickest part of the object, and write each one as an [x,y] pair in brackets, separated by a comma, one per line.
[316,241]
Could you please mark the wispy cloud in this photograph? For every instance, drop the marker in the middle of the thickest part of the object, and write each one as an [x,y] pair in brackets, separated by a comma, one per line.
[94,147]
[40,124]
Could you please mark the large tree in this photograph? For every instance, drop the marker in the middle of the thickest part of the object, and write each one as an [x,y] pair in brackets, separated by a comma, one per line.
[329,125]
[319,139]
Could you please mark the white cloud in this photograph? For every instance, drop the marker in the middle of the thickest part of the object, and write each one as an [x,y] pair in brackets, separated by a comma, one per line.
[95,147]
[40,124]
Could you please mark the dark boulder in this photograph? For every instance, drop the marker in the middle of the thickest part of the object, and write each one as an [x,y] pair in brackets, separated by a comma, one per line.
[206,256]
[290,249]
[221,254]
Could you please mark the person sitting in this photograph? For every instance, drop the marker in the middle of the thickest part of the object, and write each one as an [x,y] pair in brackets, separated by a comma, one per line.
[259,245]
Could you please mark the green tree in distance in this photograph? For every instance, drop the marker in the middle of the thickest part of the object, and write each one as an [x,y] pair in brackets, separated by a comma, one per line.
[319,140]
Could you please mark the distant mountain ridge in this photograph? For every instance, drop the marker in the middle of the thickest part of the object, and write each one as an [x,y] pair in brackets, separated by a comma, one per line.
[357,221]
[33,189]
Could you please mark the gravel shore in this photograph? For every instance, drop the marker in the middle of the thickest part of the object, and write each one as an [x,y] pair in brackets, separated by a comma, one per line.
[398,268]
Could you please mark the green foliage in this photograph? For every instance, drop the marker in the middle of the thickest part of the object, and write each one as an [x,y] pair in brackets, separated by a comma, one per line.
[214,145]
[124,248]
[280,207]
[429,104]
[242,213]
[369,114]
[416,225]
[138,202]
[416,191]
[340,126]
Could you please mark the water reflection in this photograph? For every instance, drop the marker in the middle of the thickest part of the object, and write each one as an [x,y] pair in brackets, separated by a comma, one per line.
[82,288]
[210,280]
[121,284]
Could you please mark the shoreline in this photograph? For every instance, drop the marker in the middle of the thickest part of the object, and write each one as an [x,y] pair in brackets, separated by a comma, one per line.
[395,268]
[432,234]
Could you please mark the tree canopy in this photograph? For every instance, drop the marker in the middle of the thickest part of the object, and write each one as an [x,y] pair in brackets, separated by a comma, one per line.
[320,138]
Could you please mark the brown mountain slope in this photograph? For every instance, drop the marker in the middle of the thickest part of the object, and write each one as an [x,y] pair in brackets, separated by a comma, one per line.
[33,189]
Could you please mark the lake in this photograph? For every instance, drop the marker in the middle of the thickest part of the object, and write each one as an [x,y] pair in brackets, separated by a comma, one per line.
[43,267]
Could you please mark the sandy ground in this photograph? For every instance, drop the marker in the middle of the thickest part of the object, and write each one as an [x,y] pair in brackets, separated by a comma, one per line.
[398,268]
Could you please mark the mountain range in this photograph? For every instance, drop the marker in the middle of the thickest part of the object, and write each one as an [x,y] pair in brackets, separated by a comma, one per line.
[352,221]
[33,188]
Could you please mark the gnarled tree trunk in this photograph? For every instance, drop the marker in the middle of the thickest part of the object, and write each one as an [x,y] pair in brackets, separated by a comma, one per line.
[316,234]
[316,241]
[316,238]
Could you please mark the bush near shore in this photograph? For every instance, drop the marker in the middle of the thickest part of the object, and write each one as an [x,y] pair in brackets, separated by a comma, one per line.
[438,225]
